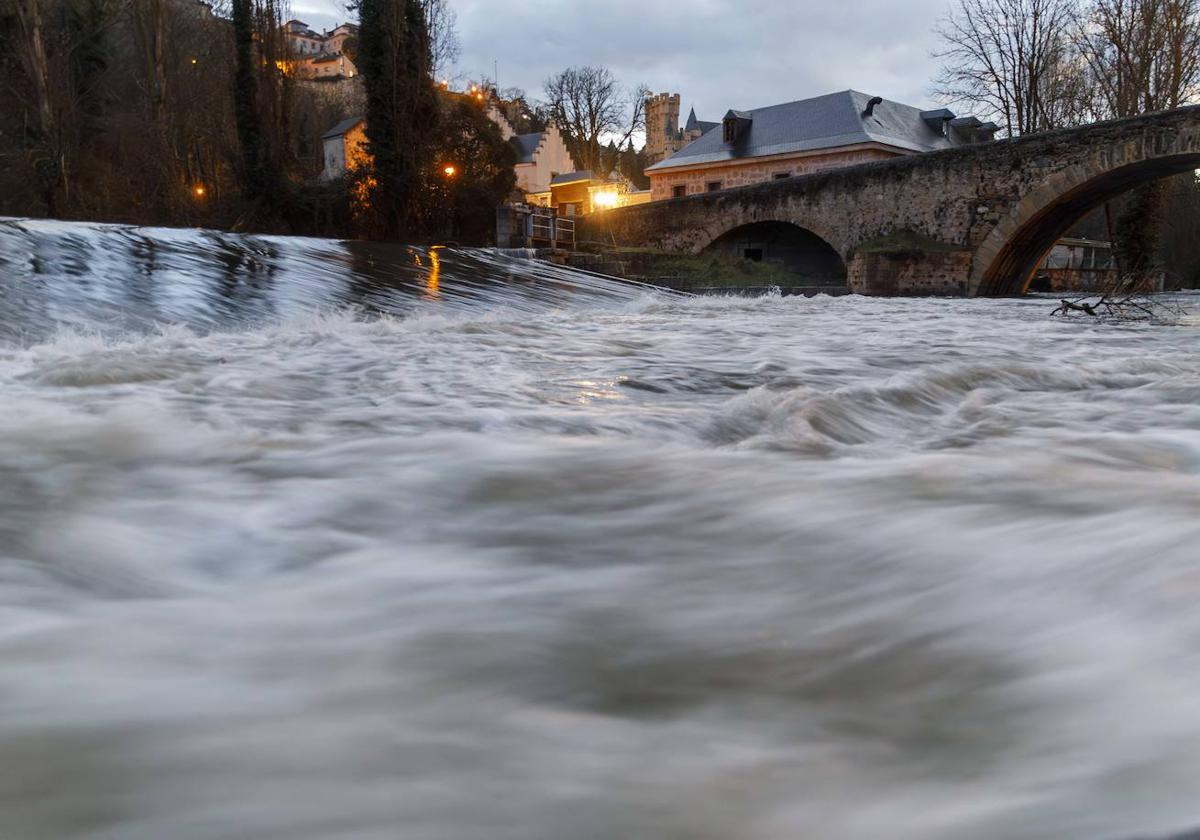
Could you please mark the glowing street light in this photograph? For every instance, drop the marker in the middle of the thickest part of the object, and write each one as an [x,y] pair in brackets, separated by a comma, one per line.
[605,199]
[450,170]
[199,191]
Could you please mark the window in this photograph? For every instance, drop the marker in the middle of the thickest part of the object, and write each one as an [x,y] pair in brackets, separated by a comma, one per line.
[753,254]
[779,176]
[1059,257]
[679,191]
[713,186]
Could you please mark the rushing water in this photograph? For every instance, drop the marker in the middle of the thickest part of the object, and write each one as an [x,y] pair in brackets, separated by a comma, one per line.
[308,540]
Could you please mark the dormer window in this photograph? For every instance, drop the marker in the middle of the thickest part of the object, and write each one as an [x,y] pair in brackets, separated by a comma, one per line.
[737,125]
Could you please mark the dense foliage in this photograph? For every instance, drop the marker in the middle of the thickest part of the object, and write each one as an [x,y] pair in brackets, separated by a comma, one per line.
[169,112]
[396,65]
[475,166]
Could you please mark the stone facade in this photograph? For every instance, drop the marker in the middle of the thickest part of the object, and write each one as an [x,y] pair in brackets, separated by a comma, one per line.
[909,273]
[664,137]
[318,55]
[325,67]
[974,220]
[742,173]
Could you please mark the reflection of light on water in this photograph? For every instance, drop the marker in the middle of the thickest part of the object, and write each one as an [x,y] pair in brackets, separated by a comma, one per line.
[433,284]
[594,391]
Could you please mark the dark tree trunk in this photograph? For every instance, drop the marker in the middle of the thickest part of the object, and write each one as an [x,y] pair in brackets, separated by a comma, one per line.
[245,97]
[44,136]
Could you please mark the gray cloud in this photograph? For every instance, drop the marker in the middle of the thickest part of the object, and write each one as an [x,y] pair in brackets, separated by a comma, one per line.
[717,53]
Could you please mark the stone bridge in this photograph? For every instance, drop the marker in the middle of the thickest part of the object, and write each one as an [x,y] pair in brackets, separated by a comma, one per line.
[974,220]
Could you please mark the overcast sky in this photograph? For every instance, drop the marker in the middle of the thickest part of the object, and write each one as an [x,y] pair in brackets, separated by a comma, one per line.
[718,54]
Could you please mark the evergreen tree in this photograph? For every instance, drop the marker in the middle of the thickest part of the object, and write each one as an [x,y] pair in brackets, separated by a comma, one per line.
[483,175]
[245,99]
[402,110]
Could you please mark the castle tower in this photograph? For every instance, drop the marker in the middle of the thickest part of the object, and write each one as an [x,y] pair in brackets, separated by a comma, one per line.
[662,126]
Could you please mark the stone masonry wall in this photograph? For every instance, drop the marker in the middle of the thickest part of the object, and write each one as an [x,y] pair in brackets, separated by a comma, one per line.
[999,206]
[938,274]
[734,174]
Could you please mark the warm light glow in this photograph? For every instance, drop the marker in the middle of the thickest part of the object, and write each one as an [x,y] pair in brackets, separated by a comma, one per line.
[605,199]
[199,191]
[193,61]
[450,171]
[474,89]
[433,283]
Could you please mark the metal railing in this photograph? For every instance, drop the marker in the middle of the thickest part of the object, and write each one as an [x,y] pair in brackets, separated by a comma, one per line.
[544,224]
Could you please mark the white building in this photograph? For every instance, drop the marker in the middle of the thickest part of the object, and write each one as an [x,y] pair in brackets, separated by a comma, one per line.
[303,40]
[540,158]
[320,55]
[344,147]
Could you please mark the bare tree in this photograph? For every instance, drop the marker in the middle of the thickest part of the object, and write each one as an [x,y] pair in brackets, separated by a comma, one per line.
[46,140]
[588,105]
[150,17]
[637,115]
[1144,55]
[1012,61]
[33,55]
[442,22]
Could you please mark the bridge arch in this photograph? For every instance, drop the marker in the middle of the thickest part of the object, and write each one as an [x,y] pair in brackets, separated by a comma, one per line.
[798,249]
[1007,259]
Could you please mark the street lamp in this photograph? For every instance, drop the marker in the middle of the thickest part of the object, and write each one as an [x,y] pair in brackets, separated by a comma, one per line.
[605,199]
[450,170]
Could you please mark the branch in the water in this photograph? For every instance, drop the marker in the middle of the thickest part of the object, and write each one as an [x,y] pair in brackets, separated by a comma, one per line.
[1072,306]
[1126,299]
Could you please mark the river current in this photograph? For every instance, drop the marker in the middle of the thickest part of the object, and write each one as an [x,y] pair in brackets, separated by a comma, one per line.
[301,539]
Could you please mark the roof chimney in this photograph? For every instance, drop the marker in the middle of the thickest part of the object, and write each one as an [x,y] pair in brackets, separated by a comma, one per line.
[870,112]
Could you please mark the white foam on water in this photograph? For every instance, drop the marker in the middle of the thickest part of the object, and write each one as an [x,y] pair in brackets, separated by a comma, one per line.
[594,565]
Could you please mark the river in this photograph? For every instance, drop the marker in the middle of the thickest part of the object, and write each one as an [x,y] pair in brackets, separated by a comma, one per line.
[301,539]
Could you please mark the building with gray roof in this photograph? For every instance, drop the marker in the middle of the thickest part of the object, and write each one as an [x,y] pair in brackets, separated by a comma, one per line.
[778,141]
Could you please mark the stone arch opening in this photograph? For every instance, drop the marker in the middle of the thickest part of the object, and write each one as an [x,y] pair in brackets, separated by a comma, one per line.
[1007,260]
[801,254]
